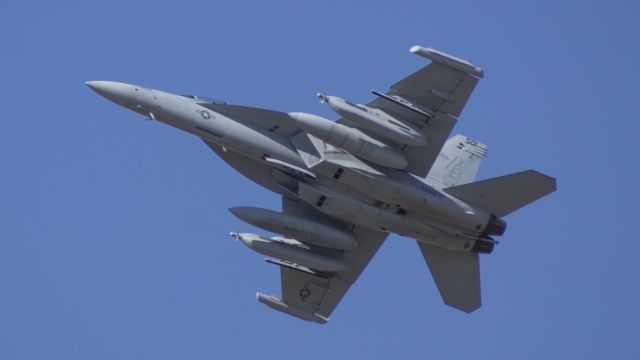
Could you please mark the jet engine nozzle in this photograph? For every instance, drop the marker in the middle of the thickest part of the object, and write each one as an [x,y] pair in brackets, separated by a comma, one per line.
[322,97]
[495,226]
[483,246]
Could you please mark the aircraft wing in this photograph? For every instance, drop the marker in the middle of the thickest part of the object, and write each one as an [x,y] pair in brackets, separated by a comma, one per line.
[312,297]
[430,100]
[276,122]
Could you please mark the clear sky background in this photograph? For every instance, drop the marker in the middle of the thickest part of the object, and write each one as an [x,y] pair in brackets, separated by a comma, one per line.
[114,230]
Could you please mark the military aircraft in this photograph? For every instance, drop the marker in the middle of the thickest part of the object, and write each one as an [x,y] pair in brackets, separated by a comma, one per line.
[384,167]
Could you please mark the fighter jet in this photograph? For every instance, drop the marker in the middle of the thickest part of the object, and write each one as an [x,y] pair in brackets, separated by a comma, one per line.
[385,167]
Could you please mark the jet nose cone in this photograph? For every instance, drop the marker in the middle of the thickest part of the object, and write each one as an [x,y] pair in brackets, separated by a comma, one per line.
[92,84]
[116,92]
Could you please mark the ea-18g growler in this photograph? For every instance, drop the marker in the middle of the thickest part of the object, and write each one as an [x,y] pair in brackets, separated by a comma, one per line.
[385,167]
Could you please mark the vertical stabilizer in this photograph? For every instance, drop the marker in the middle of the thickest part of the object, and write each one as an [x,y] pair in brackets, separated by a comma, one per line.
[458,161]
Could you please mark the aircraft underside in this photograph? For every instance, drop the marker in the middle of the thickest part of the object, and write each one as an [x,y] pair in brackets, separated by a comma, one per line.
[388,166]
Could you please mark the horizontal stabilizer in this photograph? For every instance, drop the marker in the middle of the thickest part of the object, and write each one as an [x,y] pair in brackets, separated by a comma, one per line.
[457,275]
[505,194]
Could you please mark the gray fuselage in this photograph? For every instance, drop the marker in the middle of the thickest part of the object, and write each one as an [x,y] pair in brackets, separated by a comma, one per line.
[372,196]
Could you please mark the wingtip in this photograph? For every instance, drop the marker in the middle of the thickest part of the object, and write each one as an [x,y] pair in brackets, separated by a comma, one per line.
[415,48]
[447,60]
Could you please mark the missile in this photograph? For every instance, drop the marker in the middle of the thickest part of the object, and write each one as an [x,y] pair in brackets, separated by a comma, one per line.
[352,140]
[277,304]
[292,251]
[375,120]
[296,227]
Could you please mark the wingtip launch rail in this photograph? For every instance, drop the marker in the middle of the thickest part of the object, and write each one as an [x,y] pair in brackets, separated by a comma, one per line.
[448,60]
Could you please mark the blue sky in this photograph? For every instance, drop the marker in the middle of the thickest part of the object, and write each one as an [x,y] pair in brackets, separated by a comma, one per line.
[114,230]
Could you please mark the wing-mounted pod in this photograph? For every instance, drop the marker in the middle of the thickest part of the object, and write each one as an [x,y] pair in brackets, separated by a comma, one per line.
[292,251]
[375,120]
[277,304]
[447,60]
[296,227]
[352,140]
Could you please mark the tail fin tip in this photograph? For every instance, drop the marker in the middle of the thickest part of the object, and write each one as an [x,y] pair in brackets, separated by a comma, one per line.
[458,161]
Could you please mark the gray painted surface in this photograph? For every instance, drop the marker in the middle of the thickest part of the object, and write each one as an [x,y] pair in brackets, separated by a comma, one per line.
[385,167]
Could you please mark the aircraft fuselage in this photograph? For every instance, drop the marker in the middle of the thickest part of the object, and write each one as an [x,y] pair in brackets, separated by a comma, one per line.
[375,197]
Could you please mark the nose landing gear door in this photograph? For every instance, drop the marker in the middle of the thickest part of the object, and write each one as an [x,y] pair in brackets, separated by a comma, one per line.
[145,102]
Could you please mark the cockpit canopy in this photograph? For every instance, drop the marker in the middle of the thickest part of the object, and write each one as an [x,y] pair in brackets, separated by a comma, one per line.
[204,99]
